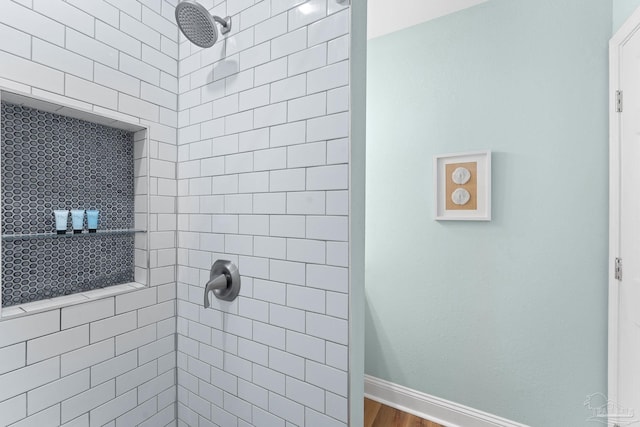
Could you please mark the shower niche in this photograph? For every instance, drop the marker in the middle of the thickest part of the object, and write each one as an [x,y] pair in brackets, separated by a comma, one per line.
[55,157]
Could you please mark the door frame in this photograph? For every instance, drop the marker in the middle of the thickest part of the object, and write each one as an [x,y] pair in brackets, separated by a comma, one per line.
[628,29]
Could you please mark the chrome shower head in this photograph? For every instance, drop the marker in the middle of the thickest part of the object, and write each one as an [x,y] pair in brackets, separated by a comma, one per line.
[198,25]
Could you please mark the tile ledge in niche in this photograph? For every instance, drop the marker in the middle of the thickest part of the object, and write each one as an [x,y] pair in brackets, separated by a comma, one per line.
[29,308]
[65,107]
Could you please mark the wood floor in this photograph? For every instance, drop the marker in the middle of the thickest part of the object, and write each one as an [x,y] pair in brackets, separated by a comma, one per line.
[379,415]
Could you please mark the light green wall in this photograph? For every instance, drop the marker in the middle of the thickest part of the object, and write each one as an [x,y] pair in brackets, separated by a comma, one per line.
[509,316]
[622,9]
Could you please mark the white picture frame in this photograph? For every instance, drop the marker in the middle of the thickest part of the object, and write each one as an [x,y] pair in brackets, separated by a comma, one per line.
[462,186]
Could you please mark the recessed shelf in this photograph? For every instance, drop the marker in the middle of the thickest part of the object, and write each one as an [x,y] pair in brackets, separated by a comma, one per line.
[65,152]
[34,236]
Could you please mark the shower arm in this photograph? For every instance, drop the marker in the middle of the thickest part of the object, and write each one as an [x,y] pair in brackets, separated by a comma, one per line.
[225,23]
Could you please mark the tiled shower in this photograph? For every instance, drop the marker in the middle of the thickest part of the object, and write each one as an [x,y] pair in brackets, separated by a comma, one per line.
[240,152]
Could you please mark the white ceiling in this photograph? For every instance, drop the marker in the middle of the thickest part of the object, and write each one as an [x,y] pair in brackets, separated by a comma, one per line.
[385,17]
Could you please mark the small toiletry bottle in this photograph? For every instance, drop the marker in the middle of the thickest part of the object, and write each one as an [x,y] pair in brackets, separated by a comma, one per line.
[62,217]
[92,220]
[77,220]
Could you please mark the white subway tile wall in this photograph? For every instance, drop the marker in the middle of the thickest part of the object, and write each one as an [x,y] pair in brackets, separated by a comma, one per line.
[111,361]
[264,126]
[101,367]
[248,162]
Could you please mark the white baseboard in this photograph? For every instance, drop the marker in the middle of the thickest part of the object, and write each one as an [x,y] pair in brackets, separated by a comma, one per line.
[432,408]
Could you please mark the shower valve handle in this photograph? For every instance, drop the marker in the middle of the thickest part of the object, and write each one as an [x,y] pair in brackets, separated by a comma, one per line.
[224,282]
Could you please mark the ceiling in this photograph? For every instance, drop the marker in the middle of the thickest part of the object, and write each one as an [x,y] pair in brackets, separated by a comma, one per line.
[386,17]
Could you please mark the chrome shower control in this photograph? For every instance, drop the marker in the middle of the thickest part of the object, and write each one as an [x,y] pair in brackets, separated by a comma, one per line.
[224,281]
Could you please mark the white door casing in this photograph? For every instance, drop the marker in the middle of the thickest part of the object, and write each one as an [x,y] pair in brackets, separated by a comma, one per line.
[624,225]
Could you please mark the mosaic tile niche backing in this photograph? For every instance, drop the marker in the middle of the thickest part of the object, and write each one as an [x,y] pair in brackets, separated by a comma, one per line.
[53,162]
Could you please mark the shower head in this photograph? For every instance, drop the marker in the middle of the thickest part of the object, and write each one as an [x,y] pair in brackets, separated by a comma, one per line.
[198,25]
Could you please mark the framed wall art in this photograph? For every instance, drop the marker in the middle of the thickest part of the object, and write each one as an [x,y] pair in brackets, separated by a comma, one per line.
[463,186]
